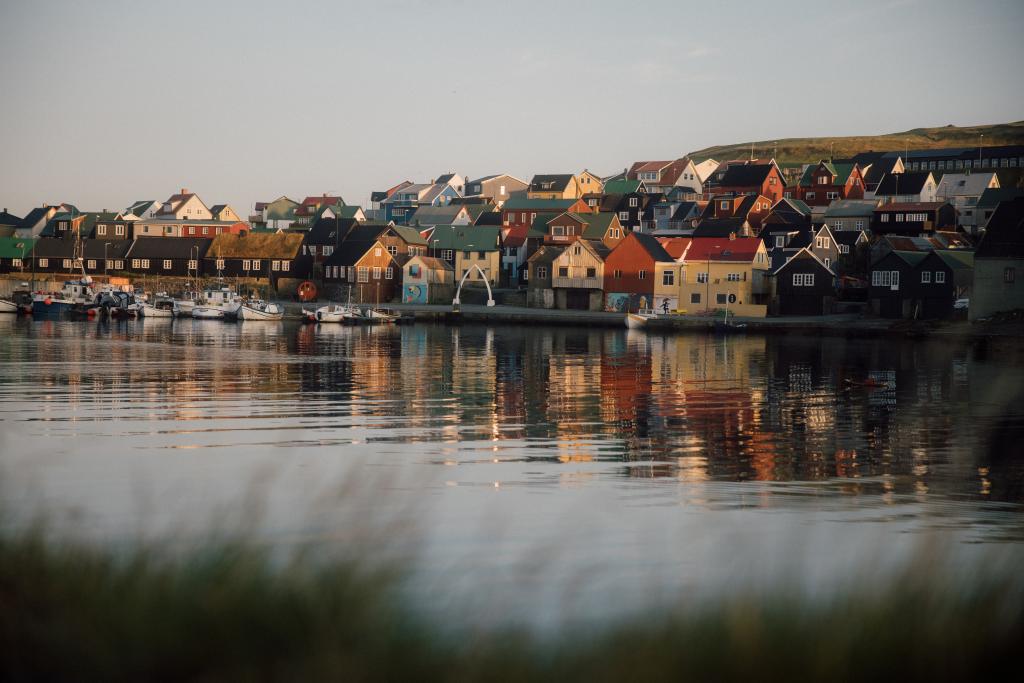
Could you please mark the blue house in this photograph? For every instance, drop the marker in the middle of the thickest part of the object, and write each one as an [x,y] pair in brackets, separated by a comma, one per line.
[403,203]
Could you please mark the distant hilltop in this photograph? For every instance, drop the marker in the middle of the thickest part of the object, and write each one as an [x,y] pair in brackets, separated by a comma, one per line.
[810,150]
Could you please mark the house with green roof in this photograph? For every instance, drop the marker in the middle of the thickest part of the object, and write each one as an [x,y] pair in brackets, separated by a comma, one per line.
[570,226]
[466,246]
[825,182]
[279,213]
[15,254]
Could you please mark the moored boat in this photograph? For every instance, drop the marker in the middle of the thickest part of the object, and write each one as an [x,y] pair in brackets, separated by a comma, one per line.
[8,306]
[162,308]
[639,320]
[208,313]
[261,310]
[336,313]
[381,315]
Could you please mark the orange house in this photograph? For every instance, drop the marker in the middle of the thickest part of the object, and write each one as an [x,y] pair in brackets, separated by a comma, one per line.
[629,272]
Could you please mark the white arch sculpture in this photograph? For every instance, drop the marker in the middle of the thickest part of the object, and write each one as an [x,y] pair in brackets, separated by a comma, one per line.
[490,296]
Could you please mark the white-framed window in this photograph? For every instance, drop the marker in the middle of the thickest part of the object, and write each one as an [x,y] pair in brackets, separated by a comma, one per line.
[376,272]
[246,264]
[376,251]
[702,278]
[220,264]
[67,263]
[167,264]
[136,264]
[393,250]
[285,265]
[926,277]
[884,218]
[119,265]
[145,264]
[193,264]
[642,275]
[859,225]
[733,277]
[623,215]
[16,263]
[828,262]
[255,264]
[364,274]
[940,277]
[798,279]
[633,201]
[91,264]
[810,195]
[275,265]
[542,272]
[44,263]
[723,205]
[447,254]
[101,230]
[832,195]
[780,241]
[617,273]
[899,218]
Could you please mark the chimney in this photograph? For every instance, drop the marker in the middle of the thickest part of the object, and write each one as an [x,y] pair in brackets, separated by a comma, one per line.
[184,190]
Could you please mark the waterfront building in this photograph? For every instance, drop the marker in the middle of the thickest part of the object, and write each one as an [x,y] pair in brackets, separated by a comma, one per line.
[804,285]
[629,273]
[160,256]
[264,256]
[427,280]
[577,275]
[999,262]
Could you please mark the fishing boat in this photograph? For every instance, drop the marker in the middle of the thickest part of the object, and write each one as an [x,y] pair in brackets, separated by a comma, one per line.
[208,313]
[639,320]
[224,299]
[74,296]
[336,313]
[8,306]
[381,315]
[161,308]
[260,310]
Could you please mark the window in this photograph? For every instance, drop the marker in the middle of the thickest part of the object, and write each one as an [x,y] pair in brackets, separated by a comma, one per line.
[668,278]
[695,298]
[542,272]
[1009,275]
[376,272]
[828,262]
[859,225]
[465,254]
[832,195]
[145,264]
[633,201]
[119,230]
[284,266]
[220,264]
[364,274]
[393,250]
[623,215]
[642,275]
[193,264]
[721,298]
[351,273]
[733,277]
[616,273]
[167,264]
[591,272]
[798,279]
[940,277]
[838,225]
[810,195]
[246,264]
[16,263]
[771,180]
[844,248]
[91,264]
[327,251]
[926,277]
[884,218]
[67,263]
[376,252]
[702,278]
[447,254]
[389,273]
[894,278]
[275,265]
[780,241]
[563,271]
[101,230]
[43,263]
[255,264]
[723,205]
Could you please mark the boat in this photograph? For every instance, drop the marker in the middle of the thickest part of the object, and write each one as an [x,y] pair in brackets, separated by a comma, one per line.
[162,308]
[8,306]
[225,299]
[208,313]
[308,316]
[381,315]
[639,320]
[117,304]
[261,310]
[75,296]
[337,313]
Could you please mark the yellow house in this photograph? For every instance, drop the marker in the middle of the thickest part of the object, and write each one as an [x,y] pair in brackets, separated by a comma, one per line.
[589,183]
[465,246]
[554,186]
[721,273]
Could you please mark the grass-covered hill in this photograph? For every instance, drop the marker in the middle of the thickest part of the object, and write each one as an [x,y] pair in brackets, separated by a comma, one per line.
[808,150]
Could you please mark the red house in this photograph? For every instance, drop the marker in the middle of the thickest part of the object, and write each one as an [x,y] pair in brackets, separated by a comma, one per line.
[519,213]
[750,178]
[752,208]
[823,184]
[629,271]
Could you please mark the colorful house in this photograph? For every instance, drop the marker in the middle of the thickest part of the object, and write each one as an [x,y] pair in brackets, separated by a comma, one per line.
[825,182]
[577,276]
[663,176]
[568,227]
[466,246]
[805,285]
[366,269]
[427,280]
[630,270]
[262,256]
[725,272]
[763,179]
[555,186]
[540,292]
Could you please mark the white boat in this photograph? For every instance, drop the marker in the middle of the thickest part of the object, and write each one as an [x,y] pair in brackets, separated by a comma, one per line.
[382,315]
[8,306]
[639,320]
[160,309]
[208,313]
[261,310]
[224,298]
[337,313]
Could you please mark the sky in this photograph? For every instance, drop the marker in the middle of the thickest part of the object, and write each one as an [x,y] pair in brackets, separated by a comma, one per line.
[112,101]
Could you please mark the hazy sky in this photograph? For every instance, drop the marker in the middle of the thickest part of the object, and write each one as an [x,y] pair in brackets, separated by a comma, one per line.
[107,102]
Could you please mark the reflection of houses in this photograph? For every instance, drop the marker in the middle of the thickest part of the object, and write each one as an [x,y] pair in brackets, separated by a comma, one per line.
[427,280]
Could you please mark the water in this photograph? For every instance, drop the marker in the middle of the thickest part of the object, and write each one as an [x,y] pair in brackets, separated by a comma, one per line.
[527,473]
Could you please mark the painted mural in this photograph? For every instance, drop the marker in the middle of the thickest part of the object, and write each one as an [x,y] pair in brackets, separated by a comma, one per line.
[414,294]
[624,302]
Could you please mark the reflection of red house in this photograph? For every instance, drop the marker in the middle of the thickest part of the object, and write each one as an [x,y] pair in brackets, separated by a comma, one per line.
[629,267]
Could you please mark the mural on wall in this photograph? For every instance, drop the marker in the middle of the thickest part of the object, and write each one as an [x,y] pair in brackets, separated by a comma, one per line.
[414,294]
[624,302]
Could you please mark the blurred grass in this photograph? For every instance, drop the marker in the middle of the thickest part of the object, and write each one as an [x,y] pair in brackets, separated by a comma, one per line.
[229,613]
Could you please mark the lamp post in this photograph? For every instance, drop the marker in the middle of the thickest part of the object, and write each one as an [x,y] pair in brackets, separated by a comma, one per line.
[105,259]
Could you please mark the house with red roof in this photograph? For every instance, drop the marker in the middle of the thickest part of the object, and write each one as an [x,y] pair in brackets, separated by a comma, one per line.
[725,272]
[662,176]
[826,182]
[185,205]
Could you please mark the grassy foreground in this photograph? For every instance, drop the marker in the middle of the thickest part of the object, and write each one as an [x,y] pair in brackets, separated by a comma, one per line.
[80,614]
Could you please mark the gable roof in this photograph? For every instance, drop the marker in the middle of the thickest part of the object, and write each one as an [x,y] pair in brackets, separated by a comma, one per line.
[465,237]
[351,251]
[622,186]
[849,208]
[841,172]
[743,249]
[1004,236]
[911,182]
[911,258]
[992,196]
[747,175]
[804,253]
[675,246]
[9,218]
[550,182]
[525,204]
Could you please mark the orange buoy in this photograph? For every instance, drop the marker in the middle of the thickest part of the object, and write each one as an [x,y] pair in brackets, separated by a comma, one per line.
[306,291]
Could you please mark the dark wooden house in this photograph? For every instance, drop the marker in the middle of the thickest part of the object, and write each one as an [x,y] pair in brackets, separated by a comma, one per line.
[804,285]
[180,257]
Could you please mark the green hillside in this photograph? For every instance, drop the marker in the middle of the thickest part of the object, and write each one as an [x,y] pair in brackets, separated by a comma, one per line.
[808,150]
